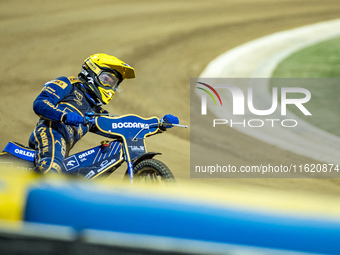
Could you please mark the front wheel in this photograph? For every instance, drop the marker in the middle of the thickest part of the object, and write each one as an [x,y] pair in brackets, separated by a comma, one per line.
[152,171]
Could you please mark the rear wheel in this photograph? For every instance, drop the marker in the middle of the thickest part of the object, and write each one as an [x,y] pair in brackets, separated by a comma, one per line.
[152,171]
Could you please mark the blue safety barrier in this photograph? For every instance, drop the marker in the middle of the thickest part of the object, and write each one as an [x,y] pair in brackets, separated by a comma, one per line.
[120,211]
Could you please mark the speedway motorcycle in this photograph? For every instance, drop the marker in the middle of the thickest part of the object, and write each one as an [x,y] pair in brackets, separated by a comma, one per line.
[127,135]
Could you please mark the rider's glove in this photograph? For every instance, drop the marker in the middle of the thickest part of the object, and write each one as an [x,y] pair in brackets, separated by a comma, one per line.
[170,119]
[72,118]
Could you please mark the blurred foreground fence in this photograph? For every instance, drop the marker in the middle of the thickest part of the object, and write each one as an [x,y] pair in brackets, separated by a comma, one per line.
[71,217]
[39,239]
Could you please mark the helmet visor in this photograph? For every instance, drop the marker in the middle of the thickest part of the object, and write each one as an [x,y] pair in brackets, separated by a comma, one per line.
[108,80]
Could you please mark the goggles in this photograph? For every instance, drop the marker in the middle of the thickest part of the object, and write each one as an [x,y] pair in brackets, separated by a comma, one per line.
[108,80]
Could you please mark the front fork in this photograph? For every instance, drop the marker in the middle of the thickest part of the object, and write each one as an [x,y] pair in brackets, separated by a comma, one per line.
[130,171]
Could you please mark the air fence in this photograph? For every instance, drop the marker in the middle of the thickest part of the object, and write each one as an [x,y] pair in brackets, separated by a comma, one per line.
[73,218]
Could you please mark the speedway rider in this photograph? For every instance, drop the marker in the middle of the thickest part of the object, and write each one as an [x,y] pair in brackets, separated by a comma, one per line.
[63,102]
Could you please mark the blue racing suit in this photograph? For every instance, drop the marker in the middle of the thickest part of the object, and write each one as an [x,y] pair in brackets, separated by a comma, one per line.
[51,138]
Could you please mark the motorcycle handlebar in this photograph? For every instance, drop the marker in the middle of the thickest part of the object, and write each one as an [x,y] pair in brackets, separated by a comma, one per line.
[88,120]
[168,125]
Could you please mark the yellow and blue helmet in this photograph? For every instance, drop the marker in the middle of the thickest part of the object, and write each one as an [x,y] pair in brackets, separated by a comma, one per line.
[102,74]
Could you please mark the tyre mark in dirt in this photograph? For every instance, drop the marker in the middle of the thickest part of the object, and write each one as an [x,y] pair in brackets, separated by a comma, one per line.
[180,37]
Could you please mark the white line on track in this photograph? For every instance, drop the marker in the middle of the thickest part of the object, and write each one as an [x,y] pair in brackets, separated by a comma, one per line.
[258,59]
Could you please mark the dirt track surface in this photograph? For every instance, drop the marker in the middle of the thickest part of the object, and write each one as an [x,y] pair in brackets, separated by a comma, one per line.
[167,42]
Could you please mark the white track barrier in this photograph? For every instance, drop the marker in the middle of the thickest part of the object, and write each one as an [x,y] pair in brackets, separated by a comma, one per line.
[258,59]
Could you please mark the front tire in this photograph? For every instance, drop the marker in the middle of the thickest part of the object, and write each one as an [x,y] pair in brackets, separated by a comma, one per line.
[152,171]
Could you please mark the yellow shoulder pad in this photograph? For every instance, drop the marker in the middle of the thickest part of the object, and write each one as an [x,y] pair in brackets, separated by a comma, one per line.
[60,83]
[73,79]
